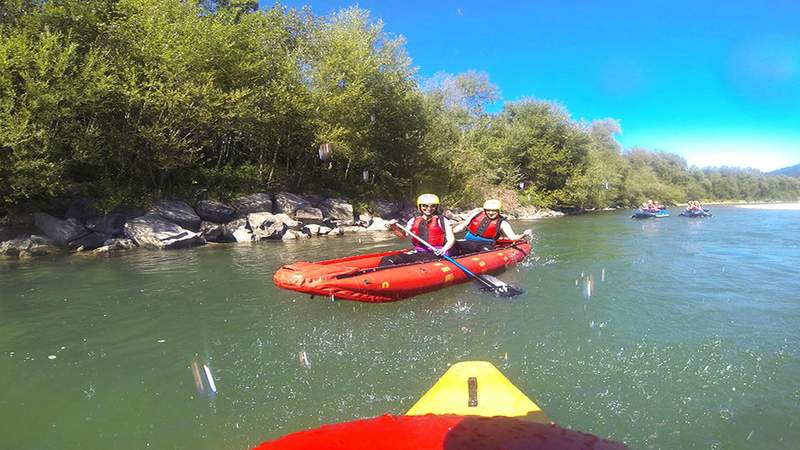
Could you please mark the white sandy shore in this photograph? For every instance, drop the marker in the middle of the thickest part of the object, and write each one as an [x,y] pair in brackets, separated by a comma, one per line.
[792,206]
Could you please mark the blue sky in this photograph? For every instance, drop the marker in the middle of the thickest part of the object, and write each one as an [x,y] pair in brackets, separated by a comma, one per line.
[717,82]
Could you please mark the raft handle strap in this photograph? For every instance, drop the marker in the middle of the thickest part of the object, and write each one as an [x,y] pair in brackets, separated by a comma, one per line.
[472,390]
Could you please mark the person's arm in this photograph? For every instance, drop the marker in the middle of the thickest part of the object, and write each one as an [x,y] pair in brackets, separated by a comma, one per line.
[450,237]
[505,227]
[397,231]
[461,226]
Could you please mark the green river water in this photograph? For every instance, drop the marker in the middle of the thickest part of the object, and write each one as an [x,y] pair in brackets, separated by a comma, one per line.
[664,333]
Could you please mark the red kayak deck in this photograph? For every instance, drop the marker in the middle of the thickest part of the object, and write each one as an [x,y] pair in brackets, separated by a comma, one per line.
[359,278]
[437,432]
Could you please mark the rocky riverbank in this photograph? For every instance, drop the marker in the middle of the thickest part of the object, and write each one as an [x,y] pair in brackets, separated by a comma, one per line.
[177,224]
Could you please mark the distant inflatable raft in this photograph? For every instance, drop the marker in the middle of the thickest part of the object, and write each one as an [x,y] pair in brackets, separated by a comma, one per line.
[642,214]
[360,279]
[696,213]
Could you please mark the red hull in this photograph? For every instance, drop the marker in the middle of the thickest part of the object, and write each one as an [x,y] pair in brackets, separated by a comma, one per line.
[358,278]
[432,432]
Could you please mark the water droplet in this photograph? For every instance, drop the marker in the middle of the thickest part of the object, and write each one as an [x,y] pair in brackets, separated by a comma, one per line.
[51,357]
[302,357]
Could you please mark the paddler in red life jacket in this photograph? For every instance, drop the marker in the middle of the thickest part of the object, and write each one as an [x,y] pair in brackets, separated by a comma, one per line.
[485,227]
[429,225]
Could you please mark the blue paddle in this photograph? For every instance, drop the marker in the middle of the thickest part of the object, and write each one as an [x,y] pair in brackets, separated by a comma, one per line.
[499,288]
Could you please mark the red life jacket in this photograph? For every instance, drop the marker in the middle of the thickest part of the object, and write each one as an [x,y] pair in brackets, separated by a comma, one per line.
[484,227]
[431,231]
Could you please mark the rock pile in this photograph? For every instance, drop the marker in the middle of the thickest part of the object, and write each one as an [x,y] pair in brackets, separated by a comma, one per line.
[176,224]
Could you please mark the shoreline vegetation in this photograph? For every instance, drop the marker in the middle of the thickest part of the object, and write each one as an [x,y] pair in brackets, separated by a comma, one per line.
[134,103]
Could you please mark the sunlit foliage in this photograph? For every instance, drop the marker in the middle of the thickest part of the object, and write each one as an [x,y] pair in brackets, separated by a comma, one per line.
[131,101]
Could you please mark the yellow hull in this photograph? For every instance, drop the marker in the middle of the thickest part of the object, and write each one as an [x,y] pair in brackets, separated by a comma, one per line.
[477,388]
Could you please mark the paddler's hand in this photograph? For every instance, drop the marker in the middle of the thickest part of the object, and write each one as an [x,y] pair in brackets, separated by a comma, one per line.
[528,232]
[439,252]
[397,231]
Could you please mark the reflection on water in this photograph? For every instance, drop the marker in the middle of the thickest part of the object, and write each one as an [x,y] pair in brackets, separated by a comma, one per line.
[670,333]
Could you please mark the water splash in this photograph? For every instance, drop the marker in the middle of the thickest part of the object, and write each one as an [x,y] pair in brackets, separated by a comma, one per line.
[203,379]
[588,287]
[302,358]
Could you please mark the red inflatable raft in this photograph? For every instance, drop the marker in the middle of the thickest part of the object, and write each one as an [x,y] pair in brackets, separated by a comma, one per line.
[359,278]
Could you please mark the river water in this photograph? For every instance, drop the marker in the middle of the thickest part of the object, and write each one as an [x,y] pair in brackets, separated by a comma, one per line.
[664,333]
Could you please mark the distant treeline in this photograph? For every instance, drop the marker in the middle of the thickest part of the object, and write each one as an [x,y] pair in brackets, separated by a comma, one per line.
[130,101]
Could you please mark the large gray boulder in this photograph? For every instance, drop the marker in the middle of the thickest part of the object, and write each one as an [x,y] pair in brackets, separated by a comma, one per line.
[266,226]
[112,224]
[532,212]
[365,218]
[288,203]
[234,231]
[27,246]
[114,244]
[222,232]
[292,235]
[12,247]
[378,224]
[89,242]
[153,231]
[308,214]
[243,234]
[337,209]
[235,224]
[213,232]
[40,246]
[214,211]
[179,213]
[288,221]
[311,229]
[60,231]
[259,202]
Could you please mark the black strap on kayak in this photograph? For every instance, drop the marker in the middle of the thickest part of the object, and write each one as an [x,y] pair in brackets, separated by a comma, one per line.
[472,391]
[514,246]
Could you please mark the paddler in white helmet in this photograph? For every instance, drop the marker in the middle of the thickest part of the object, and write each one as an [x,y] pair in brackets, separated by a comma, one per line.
[484,227]
[430,225]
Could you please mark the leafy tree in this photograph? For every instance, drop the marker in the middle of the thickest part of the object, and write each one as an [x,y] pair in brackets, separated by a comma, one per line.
[135,100]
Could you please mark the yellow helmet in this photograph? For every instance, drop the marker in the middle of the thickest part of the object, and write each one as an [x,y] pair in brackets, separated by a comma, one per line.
[493,204]
[427,199]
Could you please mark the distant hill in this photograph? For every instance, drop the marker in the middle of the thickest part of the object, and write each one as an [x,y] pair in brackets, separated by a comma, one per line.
[793,171]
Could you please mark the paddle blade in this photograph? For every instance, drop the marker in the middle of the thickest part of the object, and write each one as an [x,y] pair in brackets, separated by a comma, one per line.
[499,287]
[507,291]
